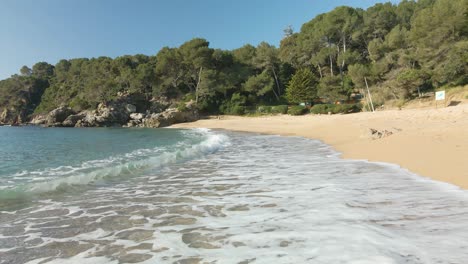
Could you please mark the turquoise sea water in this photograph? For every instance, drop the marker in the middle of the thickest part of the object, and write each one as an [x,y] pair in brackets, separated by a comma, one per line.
[37,160]
[203,196]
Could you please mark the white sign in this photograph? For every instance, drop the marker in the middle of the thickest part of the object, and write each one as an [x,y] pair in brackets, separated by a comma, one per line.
[440,95]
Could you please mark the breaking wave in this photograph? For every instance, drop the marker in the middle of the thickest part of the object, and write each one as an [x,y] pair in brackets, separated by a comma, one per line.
[121,166]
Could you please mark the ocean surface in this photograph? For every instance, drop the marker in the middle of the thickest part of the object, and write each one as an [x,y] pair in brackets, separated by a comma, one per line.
[98,195]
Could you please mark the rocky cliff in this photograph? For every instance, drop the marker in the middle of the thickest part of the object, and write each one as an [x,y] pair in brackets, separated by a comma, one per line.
[120,113]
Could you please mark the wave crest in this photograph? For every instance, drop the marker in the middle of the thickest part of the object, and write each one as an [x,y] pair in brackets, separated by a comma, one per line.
[126,165]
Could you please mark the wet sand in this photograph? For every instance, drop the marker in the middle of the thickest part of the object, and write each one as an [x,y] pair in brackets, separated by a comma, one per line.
[430,142]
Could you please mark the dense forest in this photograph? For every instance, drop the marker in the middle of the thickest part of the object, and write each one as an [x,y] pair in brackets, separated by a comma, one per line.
[401,50]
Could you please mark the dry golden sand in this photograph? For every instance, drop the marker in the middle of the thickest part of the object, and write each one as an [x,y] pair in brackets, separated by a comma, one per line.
[429,142]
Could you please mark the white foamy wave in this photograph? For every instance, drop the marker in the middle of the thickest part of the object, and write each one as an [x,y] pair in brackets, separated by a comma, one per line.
[264,200]
[125,165]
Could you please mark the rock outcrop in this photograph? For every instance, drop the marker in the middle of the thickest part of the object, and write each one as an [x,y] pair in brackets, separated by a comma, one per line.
[166,118]
[118,113]
[127,110]
[71,120]
[7,117]
[58,115]
[39,120]
[12,116]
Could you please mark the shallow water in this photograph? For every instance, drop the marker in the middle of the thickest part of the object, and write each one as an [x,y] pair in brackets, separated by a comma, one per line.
[243,198]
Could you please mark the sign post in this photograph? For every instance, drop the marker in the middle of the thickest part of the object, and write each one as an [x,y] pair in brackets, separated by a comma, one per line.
[440,95]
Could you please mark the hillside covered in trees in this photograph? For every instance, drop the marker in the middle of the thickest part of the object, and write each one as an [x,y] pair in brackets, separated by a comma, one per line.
[402,51]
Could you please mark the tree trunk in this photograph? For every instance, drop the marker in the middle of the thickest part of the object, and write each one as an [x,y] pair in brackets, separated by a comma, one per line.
[276,95]
[320,71]
[198,84]
[340,67]
[330,56]
[370,97]
[276,81]
[344,52]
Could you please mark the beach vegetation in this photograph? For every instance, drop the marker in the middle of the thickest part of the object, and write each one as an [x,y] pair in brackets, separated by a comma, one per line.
[267,109]
[264,109]
[279,109]
[335,108]
[297,110]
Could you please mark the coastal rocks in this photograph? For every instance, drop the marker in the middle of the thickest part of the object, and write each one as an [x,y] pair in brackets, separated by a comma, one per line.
[39,120]
[135,119]
[6,117]
[71,120]
[130,108]
[89,119]
[169,117]
[112,113]
[106,114]
[115,113]
[159,104]
[58,115]
[166,118]
[12,116]
[137,116]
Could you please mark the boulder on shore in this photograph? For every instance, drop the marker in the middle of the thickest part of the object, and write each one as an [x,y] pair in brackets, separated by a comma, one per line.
[169,117]
[71,120]
[12,116]
[7,117]
[39,120]
[58,115]
[137,116]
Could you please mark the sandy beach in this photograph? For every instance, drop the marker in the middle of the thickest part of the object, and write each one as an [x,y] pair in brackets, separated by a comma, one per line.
[430,142]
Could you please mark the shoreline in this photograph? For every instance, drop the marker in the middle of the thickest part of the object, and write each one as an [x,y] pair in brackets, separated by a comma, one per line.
[432,143]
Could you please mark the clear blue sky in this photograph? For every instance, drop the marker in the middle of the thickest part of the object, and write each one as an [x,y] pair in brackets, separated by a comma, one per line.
[50,30]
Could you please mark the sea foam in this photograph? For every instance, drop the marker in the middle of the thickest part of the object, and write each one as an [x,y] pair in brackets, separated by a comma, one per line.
[259,199]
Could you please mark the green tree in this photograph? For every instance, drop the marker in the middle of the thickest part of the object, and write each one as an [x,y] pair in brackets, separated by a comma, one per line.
[170,70]
[334,89]
[25,71]
[358,72]
[302,87]
[410,81]
[61,69]
[267,59]
[260,84]
[245,55]
[196,56]
[43,70]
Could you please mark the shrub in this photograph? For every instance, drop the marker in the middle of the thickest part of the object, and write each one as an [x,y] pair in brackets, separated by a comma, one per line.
[335,109]
[264,109]
[320,109]
[232,109]
[182,107]
[279,109]
[400,103]
[237,110]
[79,104]
[297,110]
